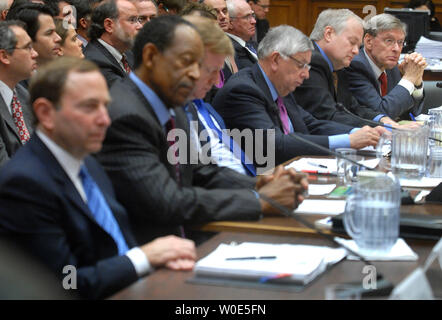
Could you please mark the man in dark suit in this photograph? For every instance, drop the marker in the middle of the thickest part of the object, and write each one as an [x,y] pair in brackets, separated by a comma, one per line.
[17,61]
[260,98]
[112,31]
[338,36]
[241,30]
[375,79]
[162,189]
[260,7]
[57,202]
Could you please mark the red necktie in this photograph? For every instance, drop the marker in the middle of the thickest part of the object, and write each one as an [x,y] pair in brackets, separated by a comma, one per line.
[125,64]
[17,116]
[283,115]
[383,81]
[170,125]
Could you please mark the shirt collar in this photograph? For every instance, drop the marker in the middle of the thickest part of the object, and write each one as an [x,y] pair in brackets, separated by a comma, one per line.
[83,40]
[237,39]
[325,57]
[6,94]
[69,163]
[163,114]
[114,52]
[273,91]
[377,72]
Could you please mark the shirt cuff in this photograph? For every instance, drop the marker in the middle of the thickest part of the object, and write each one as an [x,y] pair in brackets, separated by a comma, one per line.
[140,261]
[407,85]
[339,141]
[379,117]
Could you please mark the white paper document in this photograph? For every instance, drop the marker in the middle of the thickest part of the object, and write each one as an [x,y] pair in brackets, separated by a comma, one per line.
[424,182]
[328,207]
[326,166]
[320,189]
[400,252]
[265,262]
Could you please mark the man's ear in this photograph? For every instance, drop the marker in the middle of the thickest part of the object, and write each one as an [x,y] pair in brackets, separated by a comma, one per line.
[275,59]
[328,32]
[83,23]
[4,57]
[108,24]
[44,110]
[150,51]
[368,41]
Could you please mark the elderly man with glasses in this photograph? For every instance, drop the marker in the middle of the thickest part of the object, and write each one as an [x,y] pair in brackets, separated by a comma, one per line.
[241,30]
[376,79]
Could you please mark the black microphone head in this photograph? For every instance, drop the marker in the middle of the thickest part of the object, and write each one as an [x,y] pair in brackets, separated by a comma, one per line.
[439,84]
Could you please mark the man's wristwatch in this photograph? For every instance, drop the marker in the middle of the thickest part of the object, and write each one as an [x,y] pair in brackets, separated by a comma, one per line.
[419,86]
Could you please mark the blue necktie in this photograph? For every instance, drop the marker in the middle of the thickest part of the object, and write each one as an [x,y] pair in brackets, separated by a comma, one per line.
[250,46]
[101,211]
[226,139]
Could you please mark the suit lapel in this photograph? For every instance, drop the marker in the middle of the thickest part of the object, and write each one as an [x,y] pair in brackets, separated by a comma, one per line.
[7,117]
[370,72]
[271,106]
[329,75]
[108,55]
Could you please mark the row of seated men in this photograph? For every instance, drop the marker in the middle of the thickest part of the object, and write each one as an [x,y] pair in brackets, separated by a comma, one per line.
[126,210]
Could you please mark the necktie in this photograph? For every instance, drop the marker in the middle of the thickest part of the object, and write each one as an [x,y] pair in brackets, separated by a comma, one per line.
[125,64]
[283,115]
[170,125]
[383,81]
[250,46]
[17,116]
[101,211]
[225,138]
[335,81]
[220,83]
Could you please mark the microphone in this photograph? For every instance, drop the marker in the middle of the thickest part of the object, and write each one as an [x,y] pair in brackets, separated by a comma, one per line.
[439,84]
[341,107]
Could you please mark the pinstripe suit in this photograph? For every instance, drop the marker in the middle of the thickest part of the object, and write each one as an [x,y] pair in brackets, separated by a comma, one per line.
[134,155]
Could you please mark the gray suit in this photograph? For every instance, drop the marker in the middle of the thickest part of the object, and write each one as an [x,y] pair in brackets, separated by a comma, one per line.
[134,155]
[364,86]
[9,136]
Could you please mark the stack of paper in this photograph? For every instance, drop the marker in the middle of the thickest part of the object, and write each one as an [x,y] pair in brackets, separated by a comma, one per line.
[265,262]
[324,165]
[429,48]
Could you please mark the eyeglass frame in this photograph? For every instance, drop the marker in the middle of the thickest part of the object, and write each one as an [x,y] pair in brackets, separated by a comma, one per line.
[299,64]
[400,43]
[29,47]
[248,17]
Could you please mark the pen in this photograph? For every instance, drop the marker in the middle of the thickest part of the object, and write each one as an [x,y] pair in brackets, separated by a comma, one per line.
[319,172]
[412,116]
[252,258]
[317,165]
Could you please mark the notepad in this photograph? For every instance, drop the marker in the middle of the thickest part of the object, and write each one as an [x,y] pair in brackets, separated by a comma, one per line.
[328,207]
[292,263]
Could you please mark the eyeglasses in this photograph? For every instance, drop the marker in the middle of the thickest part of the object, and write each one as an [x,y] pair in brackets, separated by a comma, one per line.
[264,6]
[390,42]
[133,20]
[248,17]
[301,65]
[29,47]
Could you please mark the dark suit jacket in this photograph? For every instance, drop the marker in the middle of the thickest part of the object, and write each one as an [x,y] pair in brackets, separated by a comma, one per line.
[366,89]
[134,155]
[109,66]
[42,210]
[245,102]
[317,95]
[262,27]
[9,136]
[243,58]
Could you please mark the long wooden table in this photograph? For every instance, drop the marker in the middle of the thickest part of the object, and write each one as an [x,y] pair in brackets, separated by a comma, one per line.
[170,285]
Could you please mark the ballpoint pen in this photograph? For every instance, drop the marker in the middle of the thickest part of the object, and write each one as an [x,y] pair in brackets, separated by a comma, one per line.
[252,258]
[317,165]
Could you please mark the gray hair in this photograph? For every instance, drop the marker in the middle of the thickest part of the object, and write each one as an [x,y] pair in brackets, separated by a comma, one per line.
[8,40]
[383,22]
[284,39]
[335,18]
[231,7]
